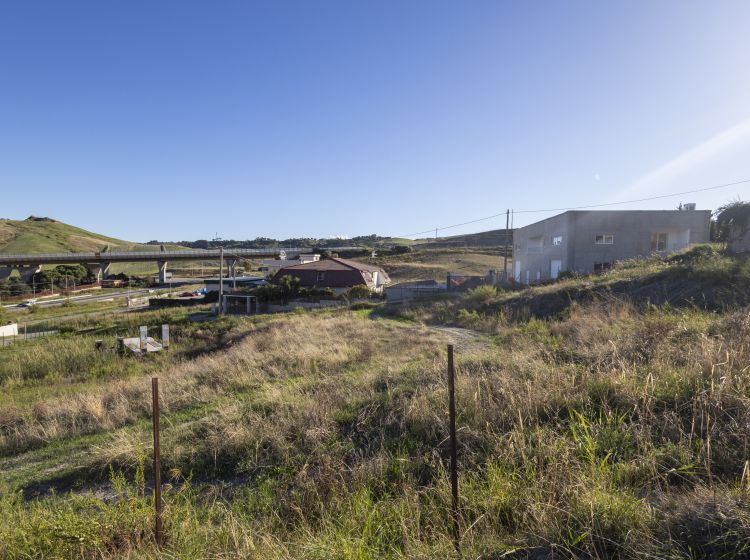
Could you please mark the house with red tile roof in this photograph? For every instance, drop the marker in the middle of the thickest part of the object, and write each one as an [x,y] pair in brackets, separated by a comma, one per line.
[337,274]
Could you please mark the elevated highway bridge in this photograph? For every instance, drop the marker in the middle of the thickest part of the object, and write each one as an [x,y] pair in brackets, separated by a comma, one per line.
[99,262]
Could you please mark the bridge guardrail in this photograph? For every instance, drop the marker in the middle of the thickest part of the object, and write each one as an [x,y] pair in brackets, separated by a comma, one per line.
[39,258]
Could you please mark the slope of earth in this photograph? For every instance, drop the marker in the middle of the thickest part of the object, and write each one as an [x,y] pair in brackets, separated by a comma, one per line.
[45,235]
[613,429]
[435,264]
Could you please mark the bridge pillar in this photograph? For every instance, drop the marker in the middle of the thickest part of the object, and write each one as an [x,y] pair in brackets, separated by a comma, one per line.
[5,272]
[105,269]
[27,272]
[162,271]
[231,267]
[95,270]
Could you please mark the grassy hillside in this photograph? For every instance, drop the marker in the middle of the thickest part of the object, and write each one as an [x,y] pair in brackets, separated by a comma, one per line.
[435,264]
[612,427]
[495,238]
[45,235]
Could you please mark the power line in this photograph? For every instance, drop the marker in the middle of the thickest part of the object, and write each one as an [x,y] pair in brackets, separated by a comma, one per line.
[582,207]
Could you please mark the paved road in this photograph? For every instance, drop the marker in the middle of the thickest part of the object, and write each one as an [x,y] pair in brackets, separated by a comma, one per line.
[86,298]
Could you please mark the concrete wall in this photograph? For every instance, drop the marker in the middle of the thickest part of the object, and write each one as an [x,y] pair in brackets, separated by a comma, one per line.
[631,230]
[533,248]
[397,294]
[739,242]
[10,329]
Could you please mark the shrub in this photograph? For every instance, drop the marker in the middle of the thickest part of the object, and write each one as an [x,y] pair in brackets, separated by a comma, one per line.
[360,291]
[401,250]
[569,275]
[482,294]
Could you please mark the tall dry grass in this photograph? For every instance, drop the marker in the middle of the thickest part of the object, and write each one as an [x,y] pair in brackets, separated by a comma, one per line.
[614,431]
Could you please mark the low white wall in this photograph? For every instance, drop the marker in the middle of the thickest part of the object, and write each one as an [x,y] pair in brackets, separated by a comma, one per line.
[9,330]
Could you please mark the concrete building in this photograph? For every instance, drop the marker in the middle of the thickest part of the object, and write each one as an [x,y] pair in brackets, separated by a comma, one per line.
[591,241]
[337,274]
[239,304]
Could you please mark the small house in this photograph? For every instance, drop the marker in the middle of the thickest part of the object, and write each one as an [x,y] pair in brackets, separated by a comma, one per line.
[337,274]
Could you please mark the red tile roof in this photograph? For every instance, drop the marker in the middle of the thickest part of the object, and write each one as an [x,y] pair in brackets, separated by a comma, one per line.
[343,273]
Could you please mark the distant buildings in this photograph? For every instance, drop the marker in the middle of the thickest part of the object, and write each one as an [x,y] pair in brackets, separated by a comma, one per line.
[591,241]
[337,274]
[272,266]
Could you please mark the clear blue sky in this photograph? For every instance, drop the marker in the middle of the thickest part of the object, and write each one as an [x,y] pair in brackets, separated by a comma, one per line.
[176,120]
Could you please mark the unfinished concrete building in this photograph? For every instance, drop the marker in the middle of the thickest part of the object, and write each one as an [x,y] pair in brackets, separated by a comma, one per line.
[591,241]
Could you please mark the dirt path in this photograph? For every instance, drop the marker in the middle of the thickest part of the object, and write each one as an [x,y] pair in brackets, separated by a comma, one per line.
[464,339]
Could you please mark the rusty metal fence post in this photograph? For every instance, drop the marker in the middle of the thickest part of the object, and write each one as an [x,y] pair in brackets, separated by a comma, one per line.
[157,462]
[454,448]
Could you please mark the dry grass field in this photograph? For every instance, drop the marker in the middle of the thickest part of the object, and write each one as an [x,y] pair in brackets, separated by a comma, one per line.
[616,428]
[435,264]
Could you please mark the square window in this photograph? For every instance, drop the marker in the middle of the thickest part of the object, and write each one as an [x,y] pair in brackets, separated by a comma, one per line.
[321,276]
[604,239]
[557,240]
[658,241]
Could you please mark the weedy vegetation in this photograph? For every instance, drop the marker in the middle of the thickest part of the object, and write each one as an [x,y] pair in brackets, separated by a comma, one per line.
[611,427]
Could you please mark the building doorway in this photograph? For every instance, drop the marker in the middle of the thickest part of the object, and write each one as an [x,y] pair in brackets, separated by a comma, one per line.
[554,268]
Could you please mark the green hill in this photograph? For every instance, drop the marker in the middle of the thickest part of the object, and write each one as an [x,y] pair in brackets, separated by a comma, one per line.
[491,238]
[45,235]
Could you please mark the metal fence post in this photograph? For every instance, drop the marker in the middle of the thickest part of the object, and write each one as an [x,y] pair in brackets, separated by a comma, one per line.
[157,462]
[454,448]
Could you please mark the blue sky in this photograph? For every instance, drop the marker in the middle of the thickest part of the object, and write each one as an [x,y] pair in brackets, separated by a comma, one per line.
[177,120]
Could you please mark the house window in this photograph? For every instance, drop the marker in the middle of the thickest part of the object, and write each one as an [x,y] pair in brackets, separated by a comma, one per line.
[321,276]
[557,240]
[605,239]
[658,241]
[602,266]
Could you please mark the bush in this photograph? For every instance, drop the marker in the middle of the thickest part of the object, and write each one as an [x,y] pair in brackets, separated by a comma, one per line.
[482,294]
[401,250]
[360,291]
[569,275]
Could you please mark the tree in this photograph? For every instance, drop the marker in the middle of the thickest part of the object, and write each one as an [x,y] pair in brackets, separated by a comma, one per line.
[289,287]
[732,221]
[17,287]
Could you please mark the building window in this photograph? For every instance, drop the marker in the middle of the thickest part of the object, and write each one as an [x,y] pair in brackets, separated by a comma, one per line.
[658,241]
[602,266]
[321,276]
[557,240]
[605,239]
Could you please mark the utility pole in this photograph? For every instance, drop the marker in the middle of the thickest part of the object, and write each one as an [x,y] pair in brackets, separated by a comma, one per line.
[221,279]
[505,251]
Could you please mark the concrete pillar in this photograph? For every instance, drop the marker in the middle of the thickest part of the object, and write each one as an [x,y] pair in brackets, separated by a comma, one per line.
[95,270]
[162,271]
[27,272]
[231,266]
[5,272]
[105,270]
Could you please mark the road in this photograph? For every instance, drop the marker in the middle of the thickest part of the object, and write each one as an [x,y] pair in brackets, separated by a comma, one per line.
[84,298]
